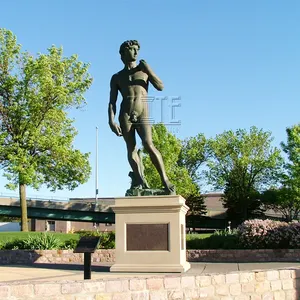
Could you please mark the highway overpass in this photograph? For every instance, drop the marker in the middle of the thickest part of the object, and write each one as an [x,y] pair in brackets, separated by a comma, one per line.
[84,211]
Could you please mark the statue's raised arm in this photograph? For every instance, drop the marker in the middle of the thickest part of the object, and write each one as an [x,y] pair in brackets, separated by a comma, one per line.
[153,78]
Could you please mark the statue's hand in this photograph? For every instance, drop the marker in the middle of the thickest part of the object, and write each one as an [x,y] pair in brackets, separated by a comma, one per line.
[144,66]
[116,129]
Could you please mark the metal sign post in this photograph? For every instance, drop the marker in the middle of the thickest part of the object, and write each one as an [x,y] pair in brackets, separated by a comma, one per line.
[87,245]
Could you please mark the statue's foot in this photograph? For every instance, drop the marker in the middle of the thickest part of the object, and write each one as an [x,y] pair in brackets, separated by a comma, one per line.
[141,186]
[145,184]
[137,187]
[170,188]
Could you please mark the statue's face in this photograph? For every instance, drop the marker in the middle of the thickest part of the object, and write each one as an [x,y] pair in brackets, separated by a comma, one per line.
[130,53]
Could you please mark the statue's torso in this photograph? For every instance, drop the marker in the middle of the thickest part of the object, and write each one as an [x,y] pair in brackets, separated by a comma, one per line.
[133,86]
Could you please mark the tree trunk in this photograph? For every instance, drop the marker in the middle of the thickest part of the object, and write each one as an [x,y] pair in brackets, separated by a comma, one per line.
[23,204]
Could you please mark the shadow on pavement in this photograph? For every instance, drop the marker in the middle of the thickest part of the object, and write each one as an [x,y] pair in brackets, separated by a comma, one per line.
[72,267]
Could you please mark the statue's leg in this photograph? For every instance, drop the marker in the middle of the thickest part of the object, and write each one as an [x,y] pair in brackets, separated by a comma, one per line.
[132,154]
[144,131]
[145,183]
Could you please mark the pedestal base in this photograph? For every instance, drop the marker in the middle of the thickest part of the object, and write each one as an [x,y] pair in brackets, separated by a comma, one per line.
[154,268]
[150,234]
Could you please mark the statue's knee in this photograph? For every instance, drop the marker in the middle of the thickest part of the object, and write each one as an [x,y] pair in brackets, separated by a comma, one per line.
[132,154]
[148,146]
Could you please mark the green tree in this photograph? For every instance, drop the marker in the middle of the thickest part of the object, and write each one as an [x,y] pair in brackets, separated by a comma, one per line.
[197,207]
[193,155]
[285,200]
[178,158]
[291,177]
[292,149]
[170,147]
[242,163]
[36,135]
[241,205]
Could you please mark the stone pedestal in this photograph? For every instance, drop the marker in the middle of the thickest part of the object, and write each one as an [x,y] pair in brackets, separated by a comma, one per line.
[150,234]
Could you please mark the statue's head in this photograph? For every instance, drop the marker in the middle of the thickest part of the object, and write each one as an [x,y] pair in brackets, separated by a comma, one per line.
[129,50]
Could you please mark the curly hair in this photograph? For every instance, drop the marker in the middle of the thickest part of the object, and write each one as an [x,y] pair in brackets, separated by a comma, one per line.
[128,44]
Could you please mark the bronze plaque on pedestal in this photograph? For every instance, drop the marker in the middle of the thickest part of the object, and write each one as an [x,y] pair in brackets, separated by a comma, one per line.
[147,237]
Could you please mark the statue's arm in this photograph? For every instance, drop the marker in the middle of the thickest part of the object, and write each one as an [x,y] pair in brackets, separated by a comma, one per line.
[156,82]
[113,96]
[112,107]
[153,78]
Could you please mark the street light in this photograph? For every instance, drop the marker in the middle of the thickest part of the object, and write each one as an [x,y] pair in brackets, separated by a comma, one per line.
[96,170]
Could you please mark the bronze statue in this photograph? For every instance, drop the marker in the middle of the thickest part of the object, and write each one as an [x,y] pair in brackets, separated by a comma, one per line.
[132,82]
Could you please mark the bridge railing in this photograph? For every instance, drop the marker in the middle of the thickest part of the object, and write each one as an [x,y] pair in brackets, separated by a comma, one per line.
[35,197]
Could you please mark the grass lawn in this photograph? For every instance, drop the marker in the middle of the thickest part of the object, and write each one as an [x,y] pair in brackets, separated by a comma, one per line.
[196,236]
[9,236]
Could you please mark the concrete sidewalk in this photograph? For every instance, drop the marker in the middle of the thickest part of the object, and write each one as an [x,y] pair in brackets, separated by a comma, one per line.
[59,272]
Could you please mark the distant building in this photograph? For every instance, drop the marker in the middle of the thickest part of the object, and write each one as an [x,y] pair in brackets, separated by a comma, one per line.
[216,214]
[71,226]
[214,206]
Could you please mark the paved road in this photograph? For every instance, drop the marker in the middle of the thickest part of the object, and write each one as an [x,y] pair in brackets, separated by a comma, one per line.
[57,272]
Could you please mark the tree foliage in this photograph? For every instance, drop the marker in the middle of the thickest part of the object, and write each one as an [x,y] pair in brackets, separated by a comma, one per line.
[180,159]
[286,198]
[241,204]
[292,149]
[291,177]
[196,204]
[36,135]
[242,163]
[170,149]
[193,155]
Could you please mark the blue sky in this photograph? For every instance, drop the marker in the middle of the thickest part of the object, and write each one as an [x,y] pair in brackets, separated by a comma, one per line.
[234,64]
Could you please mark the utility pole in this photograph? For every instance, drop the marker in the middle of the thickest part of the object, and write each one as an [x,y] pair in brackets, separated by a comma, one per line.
[96,172]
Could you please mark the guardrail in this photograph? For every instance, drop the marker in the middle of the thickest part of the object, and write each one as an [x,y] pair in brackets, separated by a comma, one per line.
[32,197]
[59,214]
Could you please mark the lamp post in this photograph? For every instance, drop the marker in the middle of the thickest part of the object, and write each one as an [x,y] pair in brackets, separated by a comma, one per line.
[96,172]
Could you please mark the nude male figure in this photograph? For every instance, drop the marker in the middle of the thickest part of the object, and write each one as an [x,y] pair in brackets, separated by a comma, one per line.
[132,82]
